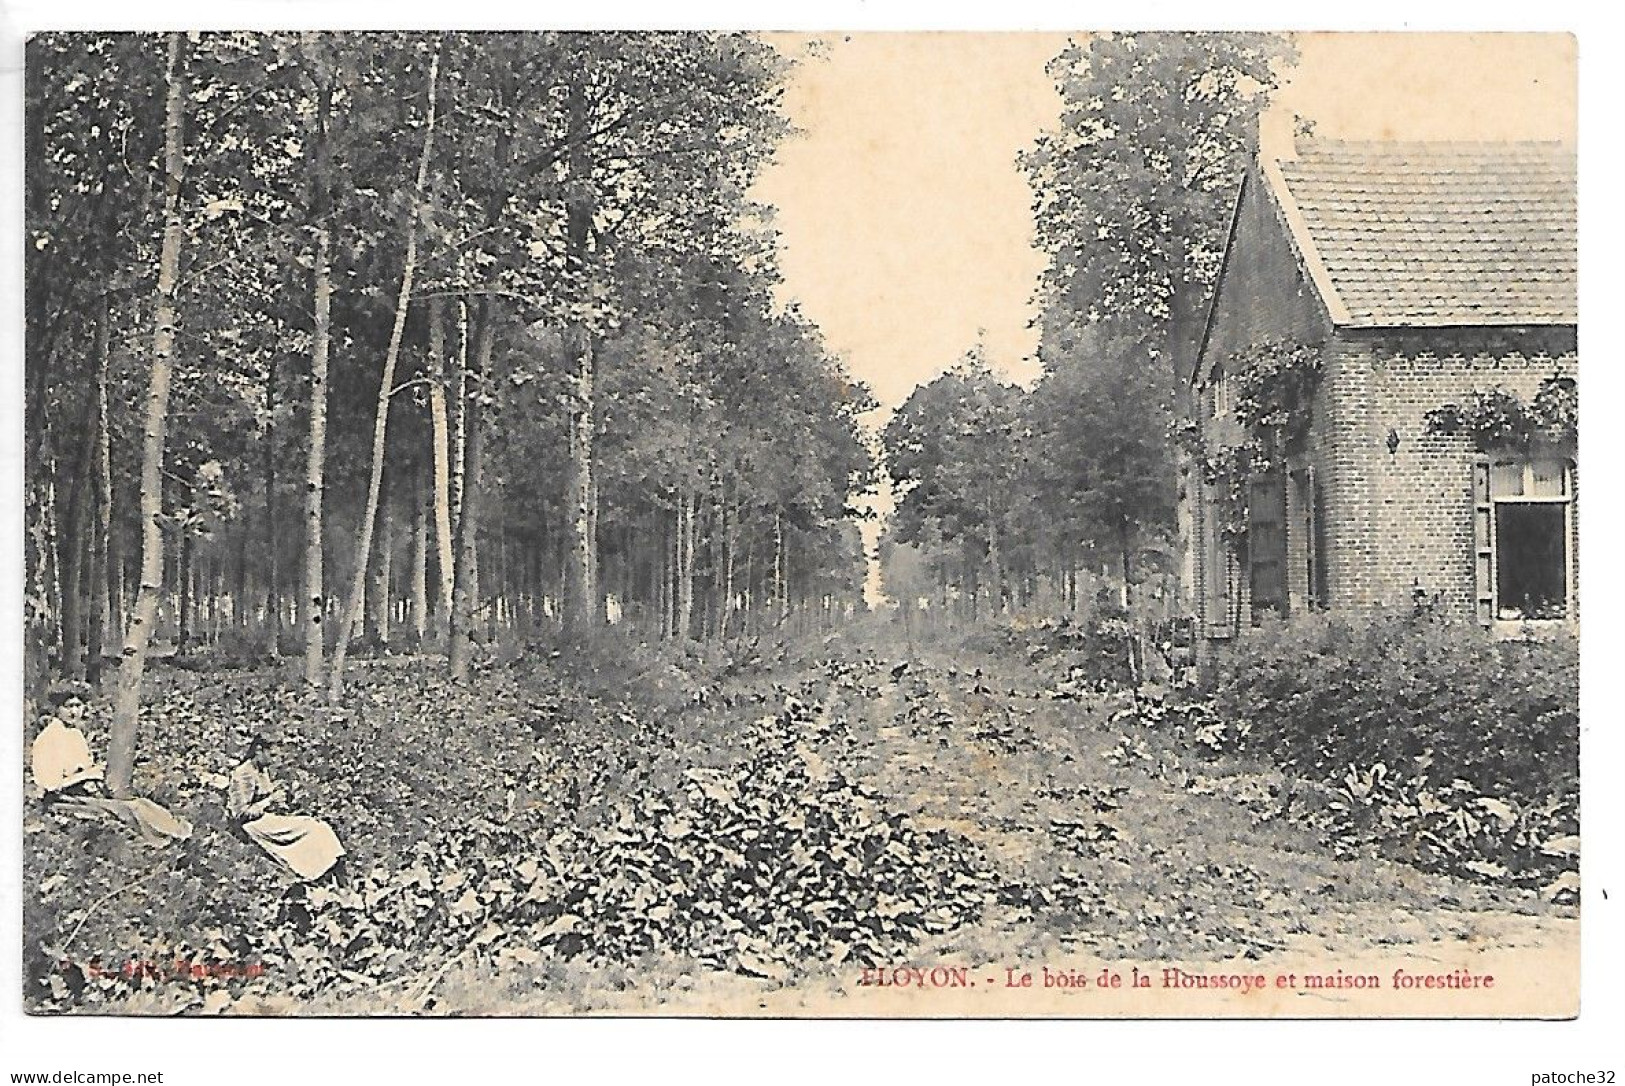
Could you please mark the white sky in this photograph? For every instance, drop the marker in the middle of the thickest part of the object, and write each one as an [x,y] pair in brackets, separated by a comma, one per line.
[907,224]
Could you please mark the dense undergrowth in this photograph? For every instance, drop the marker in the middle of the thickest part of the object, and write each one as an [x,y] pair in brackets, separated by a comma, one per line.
[598,806]
[579,812]
[1449,749]
[1406,733]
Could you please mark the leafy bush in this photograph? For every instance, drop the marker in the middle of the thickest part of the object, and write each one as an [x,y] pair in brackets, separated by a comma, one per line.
[1500,418]
[1458,751]
[1089,653]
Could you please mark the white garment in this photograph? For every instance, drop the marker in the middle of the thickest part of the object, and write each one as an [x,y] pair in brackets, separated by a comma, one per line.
[153,821]
[307,846]
[61,758]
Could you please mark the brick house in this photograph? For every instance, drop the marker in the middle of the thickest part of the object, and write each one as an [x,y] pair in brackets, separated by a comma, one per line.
[1415,275]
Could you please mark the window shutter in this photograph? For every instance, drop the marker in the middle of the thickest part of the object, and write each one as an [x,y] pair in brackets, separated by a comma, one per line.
[1217,603]
[1303,535]
[1317,544]
[1483,566]
[1266,542]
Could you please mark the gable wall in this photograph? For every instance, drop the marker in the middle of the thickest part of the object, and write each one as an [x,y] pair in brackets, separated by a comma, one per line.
[1263,294]
[1263,291]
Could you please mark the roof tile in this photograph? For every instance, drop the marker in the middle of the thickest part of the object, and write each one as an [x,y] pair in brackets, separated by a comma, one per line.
[1440,233]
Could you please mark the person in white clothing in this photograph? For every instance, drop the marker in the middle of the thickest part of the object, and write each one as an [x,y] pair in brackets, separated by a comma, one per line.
[60,757]
[306,846]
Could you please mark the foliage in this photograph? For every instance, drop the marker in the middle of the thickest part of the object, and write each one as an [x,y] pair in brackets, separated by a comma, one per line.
[1272,386]
[576,181]
[1101,415]
[953,450]
[1132,192]
[1458,751]
[1133,189]
[995,482]
[1085,654]
[1229,468]
[1499,417]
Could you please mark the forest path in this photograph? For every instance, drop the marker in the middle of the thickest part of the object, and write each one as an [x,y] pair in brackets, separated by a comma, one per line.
[1133,853]
[1110,855]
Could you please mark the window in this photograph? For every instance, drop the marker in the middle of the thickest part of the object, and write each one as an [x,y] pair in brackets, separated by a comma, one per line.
[1220,393]
[1266,543]
[1529,546]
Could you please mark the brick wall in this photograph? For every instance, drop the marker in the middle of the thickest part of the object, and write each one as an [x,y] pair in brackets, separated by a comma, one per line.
[1403,520]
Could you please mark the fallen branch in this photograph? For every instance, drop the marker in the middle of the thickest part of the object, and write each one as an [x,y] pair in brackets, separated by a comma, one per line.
[94,905]
[421,999]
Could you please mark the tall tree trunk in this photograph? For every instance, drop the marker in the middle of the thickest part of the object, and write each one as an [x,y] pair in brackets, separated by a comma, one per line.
[459,447]
[707,598]
[595,579]
[273,565]
[313,603]
[729,532]
[581,595]
[781,602]
[668,581]
[465,600]
[49,618]
[995,562]
[217,598]
[1126,597]
[382,579]
[116,594]
[496,616]
[239,603]
[685,564]
[1127,566]
[386,387]
[442,459]
[102,520]
[72,660]
[582,602]
[424,509]
[127,699]
[70,538]
[73,547]
[747,614]
[184,602]
[714,601]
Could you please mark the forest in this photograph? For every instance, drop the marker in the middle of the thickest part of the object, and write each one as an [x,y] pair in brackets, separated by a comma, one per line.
[426,462]
[383,340]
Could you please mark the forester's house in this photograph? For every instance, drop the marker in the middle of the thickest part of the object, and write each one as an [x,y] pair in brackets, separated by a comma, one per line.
[1413,276]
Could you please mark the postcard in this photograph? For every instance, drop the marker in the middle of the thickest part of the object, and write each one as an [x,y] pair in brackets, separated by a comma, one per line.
[801,525]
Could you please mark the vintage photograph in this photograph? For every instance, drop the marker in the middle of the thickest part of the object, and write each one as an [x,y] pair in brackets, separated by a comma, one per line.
[779,525]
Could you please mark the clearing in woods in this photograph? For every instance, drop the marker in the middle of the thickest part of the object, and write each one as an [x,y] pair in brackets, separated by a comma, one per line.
[770,832]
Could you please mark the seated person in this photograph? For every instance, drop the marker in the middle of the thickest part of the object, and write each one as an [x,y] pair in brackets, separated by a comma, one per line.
[60,758]
[72,782]
[306,846]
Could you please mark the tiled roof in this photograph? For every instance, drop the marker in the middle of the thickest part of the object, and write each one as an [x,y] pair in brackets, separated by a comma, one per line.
[1419,234]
